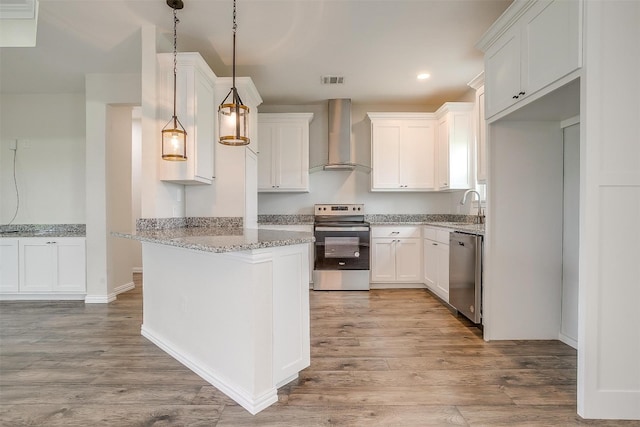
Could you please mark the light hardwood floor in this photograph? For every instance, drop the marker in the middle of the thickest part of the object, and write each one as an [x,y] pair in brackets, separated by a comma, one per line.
[379,358]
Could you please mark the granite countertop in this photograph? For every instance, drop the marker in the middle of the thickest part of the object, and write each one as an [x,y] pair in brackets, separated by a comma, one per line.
[220,239]
[456,222]
[42,230]
[43,234]
[457,226]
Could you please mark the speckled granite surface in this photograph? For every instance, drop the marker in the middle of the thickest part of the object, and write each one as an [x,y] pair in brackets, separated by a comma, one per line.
[164,223]
[220,239]
[285,219]
[375,219]
[465,223]
[42,230]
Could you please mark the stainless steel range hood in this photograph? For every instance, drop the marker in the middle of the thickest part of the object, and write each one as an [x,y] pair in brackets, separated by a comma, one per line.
[340,152]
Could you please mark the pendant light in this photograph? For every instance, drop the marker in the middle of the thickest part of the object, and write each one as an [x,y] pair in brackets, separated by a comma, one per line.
[233,115]
[174,137]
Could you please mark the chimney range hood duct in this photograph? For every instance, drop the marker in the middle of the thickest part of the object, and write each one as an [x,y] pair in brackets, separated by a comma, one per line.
[340,135]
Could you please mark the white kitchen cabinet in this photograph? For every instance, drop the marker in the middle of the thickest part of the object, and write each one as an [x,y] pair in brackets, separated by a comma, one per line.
[402,151]
[396,254]
[480,129]
[196,111]
[436,260]
[532,45]
[53,265]
[283,160]
[455,146]
[9,265]
[308,228]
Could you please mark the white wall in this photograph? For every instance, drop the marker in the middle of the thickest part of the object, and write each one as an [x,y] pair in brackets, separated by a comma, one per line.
[123,254]
[571,235]
[522,290]
[351,186]
[102,90]
[50,162]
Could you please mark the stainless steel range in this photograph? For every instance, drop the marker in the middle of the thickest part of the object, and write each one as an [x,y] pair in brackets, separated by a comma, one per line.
[342,248]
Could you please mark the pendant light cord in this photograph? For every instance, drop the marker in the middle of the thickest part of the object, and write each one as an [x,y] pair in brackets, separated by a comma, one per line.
[175,62]
[235,28]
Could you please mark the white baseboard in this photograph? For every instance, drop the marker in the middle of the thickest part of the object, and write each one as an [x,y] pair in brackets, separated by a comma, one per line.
[397,286]
[244,399]
[136,270]
[22,296]
[124,288]
[106,299]
[568,340]
[100,299]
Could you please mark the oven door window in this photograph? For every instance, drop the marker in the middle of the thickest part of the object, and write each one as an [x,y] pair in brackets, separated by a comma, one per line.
[342,247]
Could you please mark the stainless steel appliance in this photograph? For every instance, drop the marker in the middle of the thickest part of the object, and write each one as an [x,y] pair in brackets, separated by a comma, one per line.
[465,274]
[341,248]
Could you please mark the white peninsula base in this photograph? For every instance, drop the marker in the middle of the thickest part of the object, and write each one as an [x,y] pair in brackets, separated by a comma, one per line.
[240,320]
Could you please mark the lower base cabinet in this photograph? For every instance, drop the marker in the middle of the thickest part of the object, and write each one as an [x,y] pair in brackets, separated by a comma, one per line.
[436,261]
[43,267]
[308,228]
[9,281]
[395,254]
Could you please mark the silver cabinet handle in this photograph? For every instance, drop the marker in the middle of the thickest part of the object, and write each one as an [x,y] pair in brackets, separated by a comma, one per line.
[342,263]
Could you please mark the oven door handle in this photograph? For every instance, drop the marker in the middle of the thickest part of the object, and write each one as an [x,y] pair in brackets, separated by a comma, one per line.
[357,228]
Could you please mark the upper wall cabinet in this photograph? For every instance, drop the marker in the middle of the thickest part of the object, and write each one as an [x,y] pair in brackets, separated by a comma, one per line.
[532,45]
[480,128]
[283,160]
[196,111]
[402,151]
[455,146]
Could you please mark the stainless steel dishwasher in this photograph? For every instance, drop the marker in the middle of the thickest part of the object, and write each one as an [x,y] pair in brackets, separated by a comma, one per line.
[465,274]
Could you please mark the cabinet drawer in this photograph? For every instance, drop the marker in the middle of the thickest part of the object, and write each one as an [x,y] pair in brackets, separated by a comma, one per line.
[430,233]
[442,236]
[395,231]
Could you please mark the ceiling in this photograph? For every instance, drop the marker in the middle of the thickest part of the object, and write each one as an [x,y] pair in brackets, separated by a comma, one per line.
[285,46]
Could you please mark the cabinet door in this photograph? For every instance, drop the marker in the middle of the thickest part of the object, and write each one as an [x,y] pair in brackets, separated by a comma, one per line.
[443,271]
[385,148]
[430,264]
[417,155]
[481,138]
[203,129]
[266,156]
[37,264]
[443,154]
[292,165]
[9,265]
[383,260]
[408,260]
[70,268]
[502,72]
[551,36]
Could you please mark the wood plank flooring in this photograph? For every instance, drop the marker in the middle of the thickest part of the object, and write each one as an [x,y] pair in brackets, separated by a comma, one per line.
[378,358]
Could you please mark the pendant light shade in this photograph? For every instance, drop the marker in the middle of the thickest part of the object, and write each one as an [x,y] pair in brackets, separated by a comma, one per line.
[233,115]
[174,137]
[174,141]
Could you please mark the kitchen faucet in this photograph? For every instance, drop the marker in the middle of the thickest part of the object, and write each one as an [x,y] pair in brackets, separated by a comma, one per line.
[480,216]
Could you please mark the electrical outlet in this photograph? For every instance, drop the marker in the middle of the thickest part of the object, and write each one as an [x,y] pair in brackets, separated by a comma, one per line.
[24,144]
[13,144]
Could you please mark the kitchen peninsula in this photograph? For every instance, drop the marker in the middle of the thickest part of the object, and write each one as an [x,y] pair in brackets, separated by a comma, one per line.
[231,304]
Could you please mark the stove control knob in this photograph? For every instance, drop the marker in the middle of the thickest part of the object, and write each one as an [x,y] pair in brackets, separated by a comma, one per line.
[356,254]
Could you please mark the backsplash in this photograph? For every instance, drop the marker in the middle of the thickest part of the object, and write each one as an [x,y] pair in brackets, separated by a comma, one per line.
[183,222]
[372,218]
[400,218]
[35,228]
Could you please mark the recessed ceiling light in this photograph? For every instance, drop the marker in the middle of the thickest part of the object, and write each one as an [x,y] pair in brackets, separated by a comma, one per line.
[423,76]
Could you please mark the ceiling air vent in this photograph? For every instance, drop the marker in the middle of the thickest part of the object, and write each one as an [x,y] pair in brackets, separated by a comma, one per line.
[332,80]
